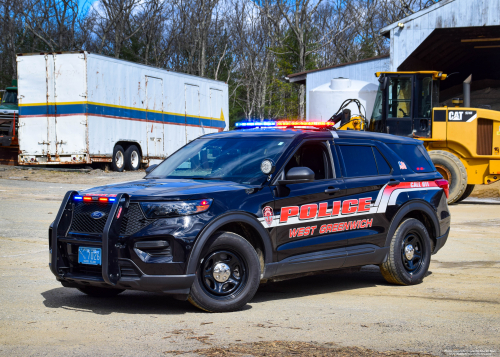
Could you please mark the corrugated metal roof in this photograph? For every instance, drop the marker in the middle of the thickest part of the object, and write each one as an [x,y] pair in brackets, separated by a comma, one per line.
[337,65]
[386,30]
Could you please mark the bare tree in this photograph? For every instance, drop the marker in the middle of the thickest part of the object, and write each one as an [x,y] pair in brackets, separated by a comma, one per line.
[13,35]
[54,22]
[121,20]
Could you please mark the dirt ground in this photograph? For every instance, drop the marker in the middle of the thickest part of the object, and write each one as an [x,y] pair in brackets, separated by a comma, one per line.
[454,312]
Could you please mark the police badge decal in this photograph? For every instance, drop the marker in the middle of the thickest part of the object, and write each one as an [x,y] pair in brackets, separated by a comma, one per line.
[268,214]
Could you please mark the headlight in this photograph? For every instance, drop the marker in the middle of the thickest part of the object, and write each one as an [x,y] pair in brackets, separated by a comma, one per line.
[175,208]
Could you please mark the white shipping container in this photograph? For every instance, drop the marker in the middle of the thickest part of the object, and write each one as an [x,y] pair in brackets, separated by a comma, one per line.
[77,107]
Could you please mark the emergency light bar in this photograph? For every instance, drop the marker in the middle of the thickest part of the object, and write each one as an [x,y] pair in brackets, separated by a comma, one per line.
[94,199]
[283,123]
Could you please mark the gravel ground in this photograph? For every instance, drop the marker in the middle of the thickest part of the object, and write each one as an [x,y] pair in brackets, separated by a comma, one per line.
[455,312]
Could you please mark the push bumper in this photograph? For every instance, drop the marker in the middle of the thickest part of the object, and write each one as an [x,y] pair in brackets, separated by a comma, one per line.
[440,241]
[167,284]
[111,263]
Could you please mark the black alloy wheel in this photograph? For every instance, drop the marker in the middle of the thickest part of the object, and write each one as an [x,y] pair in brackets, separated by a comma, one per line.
[411,252]
[228,274]
[224,274]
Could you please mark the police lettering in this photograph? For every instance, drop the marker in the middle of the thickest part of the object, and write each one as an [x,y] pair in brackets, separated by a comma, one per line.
[313,210]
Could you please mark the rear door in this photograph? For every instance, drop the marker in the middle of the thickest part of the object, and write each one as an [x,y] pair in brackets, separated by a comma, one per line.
[154,117]
[33,116]
[367,173]
[68,126]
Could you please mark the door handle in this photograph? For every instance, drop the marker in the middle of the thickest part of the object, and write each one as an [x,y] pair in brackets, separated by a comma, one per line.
[393,183]
[332,190]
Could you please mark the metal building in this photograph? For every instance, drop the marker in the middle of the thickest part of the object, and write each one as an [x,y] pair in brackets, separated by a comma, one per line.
[453,36]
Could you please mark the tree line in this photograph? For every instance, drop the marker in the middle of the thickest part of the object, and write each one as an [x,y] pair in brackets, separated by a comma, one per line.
[251,45]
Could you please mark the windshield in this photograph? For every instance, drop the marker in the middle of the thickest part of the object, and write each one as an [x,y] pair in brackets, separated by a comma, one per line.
[10,97]
[231,159]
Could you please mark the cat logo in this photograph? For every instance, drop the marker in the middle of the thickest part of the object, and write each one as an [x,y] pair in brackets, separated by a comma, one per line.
[462,115]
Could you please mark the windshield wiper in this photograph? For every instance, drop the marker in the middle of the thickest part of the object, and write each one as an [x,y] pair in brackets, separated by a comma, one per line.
[204,178]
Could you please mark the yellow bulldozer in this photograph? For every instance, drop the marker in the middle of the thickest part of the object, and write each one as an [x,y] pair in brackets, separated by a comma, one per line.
[463,142]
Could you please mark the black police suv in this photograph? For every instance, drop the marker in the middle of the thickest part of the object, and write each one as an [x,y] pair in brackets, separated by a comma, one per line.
[232,209]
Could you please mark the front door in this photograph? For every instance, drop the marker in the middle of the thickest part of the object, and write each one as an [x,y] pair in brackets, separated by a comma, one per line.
[154,116]
[305,208]
[399,106]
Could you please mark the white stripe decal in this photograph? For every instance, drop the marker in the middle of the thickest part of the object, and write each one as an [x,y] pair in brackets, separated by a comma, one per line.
[395,194]
[471,119]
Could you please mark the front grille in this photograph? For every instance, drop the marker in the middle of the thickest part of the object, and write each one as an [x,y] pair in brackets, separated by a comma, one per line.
[133,221]
[84,223]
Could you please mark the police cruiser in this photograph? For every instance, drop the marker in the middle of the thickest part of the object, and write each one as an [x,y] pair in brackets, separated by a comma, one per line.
[232,209]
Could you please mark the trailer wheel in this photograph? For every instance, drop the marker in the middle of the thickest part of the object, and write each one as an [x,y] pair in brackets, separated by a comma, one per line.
[132,158]
[118,162]
[452,170]
[466,193]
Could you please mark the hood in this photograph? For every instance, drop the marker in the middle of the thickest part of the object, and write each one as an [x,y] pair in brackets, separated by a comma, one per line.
[167,188]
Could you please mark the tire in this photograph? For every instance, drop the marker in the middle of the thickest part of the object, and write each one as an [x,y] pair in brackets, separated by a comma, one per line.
[466,193]
[132,158]
[452,170]
[96,291]
[118,160]
[220,290]
[397,269]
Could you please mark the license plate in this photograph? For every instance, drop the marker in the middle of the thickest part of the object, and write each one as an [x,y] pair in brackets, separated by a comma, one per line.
[90,256]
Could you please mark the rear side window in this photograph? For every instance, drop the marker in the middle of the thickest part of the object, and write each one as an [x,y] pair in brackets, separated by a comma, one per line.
[358,160]
[415,157]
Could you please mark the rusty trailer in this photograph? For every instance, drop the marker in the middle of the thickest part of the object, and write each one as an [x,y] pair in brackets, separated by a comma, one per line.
[81,108]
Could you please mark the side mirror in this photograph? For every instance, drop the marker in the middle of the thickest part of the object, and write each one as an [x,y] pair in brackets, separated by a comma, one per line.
[150,168]
[298,175]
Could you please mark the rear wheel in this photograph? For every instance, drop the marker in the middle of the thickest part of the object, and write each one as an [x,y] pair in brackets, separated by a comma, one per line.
[228,275]
[466,193]
[132,158]
[118,161]
[409,255]
[96,291]
[453,171]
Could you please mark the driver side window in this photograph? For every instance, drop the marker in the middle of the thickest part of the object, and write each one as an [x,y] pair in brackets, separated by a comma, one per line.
[315,156]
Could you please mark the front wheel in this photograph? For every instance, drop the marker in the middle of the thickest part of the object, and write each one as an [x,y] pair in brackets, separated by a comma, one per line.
[409,255]
[228,275]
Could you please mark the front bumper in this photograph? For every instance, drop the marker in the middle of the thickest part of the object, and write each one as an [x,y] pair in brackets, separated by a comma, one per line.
[116,271]
[167,284]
